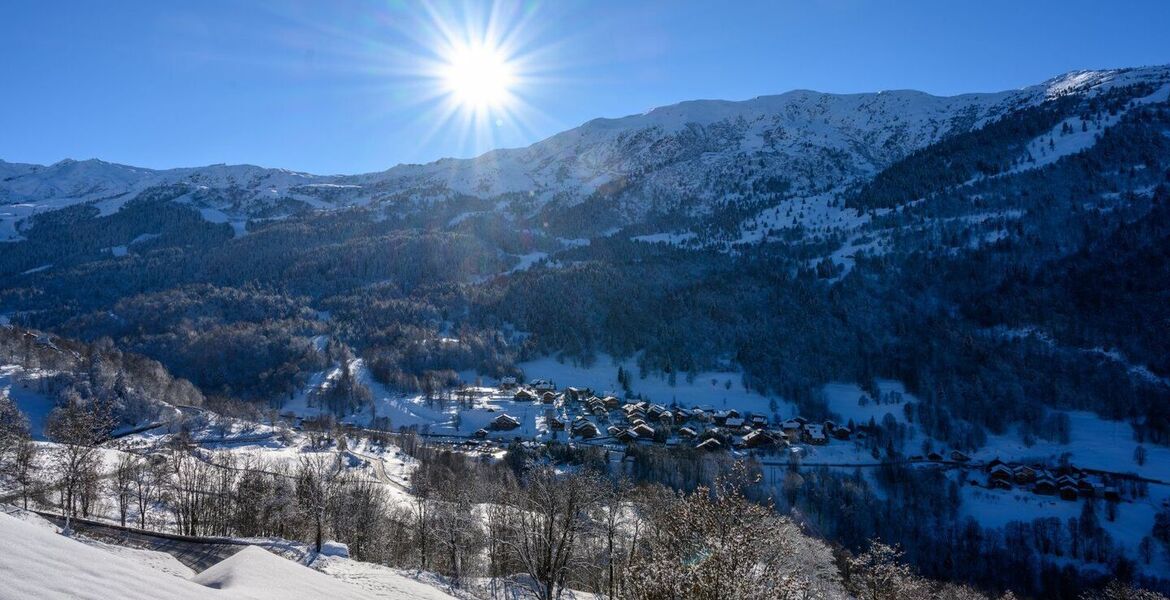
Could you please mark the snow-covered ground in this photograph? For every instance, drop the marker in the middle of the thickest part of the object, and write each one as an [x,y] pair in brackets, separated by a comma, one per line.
[36,406]
[38,562]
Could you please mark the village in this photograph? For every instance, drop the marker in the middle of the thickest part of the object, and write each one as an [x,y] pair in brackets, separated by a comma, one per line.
[582,416]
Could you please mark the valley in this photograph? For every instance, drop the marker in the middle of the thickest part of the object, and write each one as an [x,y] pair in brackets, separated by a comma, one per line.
[893,318]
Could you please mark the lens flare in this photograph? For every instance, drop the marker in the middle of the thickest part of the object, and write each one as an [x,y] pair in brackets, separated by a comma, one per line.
[478,77]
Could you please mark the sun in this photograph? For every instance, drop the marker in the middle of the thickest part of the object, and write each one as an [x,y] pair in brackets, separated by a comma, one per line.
[478,77]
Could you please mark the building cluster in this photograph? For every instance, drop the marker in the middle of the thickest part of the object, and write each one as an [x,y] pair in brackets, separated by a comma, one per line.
[583,414]
[1066,481]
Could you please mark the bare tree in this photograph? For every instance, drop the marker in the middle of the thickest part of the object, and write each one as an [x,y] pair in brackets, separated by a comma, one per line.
[552,512]
[146,480]
[78,428]
[23,469]
[317,480]
[122,483]
[618,529]
[186,491]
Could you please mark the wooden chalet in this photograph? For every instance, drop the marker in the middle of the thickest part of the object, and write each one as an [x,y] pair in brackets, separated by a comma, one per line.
[644,431]
[758,438]
[585,428]
[1045,486]
[505,422]
[710,444]
[626,436]
[1024,474]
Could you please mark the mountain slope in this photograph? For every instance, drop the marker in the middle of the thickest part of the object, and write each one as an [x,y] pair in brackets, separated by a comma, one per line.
[691,158]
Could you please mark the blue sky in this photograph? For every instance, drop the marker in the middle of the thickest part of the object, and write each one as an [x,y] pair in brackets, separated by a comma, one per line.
[344,87]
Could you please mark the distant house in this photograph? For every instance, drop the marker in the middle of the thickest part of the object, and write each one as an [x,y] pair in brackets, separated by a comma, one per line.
[758,438]
[644,431]
[934,457]
[481,433]
[626,436]
[507,382]
[505,422]
[722,416]
[1001,473]
[959,456]
[792,428]
[999,484]
[610,402]
[573,394]
[687,433]
[548,397]
[1068,492]
[524,396]
[709,444]
[555,423]
[543,385]
[1024,474]
[733,423]
[585,428]
[1045,486]
[842,433]
[815,434]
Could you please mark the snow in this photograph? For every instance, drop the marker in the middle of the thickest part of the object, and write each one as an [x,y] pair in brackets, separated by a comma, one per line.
[40,563]
[335,549]
[673,239]
[527,260]
[708,387]
[1055,145]
[257,573]
[378,581]
[34,405]
[38,269]
[843,400]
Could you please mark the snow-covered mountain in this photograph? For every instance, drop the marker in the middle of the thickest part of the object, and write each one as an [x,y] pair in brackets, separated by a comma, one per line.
[693,157]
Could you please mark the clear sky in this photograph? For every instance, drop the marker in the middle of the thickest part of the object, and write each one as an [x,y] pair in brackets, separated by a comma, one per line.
[350,86]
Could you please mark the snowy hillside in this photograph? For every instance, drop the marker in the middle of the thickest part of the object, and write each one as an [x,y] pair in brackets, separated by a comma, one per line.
[48,565]
[693,157]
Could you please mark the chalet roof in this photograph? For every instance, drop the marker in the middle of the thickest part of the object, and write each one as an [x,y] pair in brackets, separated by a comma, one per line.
[709,444]
[734,422]
[644,430]
[758,435]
